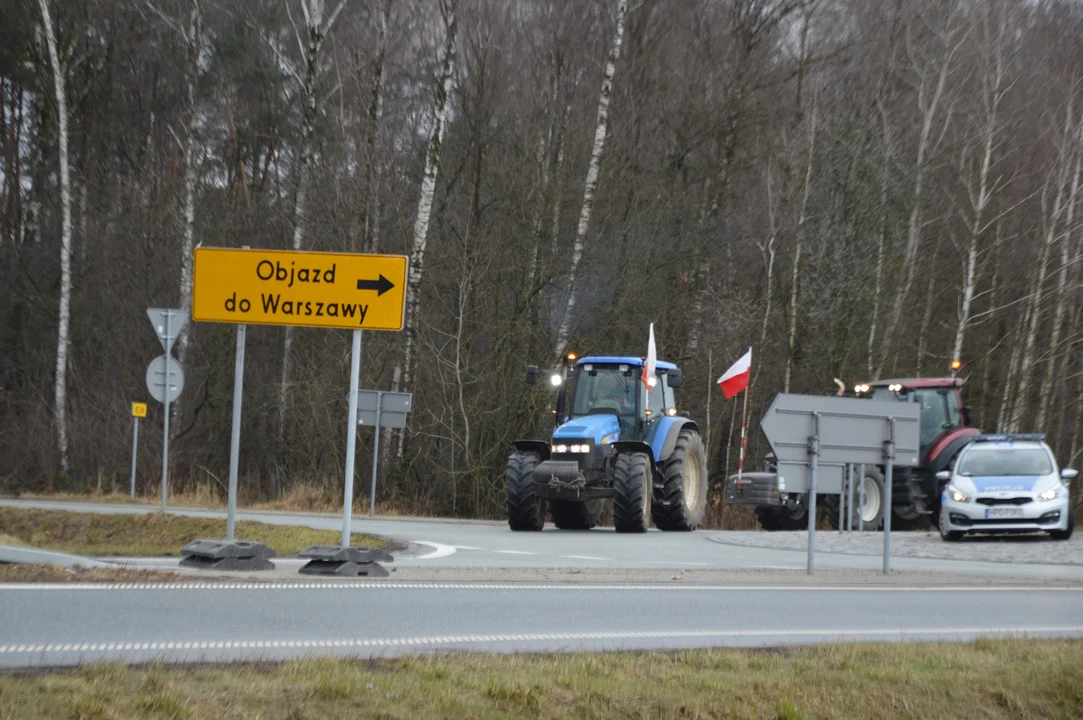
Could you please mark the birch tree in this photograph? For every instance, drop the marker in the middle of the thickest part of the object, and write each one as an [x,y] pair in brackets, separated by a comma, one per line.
[60,392]
[997,62]
[438,117]
[316,29]
[591,182]
[376,113]
[932,77]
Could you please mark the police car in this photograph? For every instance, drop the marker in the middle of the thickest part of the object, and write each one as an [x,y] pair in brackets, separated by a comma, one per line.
[1004,484]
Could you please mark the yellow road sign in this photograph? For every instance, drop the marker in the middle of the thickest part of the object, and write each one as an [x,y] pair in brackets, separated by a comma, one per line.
[308,289]
[139,410]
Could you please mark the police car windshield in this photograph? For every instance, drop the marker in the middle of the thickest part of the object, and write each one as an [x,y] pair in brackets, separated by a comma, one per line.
[1000,461]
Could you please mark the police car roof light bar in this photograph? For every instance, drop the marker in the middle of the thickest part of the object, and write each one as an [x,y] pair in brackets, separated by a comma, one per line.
[1010,437]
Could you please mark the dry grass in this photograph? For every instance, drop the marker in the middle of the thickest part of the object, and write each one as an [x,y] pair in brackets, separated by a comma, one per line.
[989,679]
[56,574]
[153,534]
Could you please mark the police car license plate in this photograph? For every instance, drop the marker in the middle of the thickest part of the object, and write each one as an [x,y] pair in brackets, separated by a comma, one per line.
[1003,512]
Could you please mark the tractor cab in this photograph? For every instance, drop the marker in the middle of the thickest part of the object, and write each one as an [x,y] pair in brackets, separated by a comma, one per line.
[599,389]
[943,414]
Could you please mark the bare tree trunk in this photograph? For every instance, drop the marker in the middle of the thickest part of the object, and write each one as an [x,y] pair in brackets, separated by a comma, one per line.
[316,30]
[376,112]
[802,218]
[926,320]
[592,178]
[424,204]
[927,145]
[60,407]
[1053,355]
[1052,221]
[768,249]
[1010,391]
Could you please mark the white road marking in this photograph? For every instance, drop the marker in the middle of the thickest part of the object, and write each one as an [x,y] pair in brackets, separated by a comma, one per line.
[465,547]
[586,557]
[516,552]
[834,633]
[566,587]
[439,550]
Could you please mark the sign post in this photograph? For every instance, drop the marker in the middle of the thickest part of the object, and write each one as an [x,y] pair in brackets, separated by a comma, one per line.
[235,432]
[381,409]
[815,438]
[165,377]
[302,289]
[139,410]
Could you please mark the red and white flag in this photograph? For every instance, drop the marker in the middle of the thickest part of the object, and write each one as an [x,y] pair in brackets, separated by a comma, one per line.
[652,359]
[736,378]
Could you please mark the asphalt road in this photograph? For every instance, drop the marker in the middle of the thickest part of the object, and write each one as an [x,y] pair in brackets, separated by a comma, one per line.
[453,544]
[57,625]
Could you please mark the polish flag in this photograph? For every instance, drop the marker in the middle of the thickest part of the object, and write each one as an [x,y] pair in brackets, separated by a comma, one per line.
[736,378]
[652,359]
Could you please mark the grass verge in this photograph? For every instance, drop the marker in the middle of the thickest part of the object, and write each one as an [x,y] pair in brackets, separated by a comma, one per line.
[57,574]
[154,534]
[990,679]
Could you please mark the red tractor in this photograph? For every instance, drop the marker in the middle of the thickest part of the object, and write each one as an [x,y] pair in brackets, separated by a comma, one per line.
[945,428]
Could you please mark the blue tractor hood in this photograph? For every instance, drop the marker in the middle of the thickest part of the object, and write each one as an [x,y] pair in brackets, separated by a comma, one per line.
[592,427]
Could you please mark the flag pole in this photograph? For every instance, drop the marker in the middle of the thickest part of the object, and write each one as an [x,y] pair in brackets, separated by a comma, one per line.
[741,456]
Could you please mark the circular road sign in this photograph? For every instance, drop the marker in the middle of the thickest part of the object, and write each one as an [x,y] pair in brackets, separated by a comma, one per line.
[156,379]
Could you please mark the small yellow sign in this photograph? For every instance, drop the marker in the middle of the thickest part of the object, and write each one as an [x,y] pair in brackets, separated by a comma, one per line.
[308,289]
[139,410]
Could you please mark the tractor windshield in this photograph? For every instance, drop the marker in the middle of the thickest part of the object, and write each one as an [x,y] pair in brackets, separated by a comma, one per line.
[606,389]
[939,410]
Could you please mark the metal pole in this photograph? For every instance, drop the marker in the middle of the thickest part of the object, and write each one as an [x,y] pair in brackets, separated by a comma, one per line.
[375,453]
[849,497]
[861,497]
[351,437]
[842,505]
[889,458]
[165,423]
[813,452]
[135,449]
[235,434]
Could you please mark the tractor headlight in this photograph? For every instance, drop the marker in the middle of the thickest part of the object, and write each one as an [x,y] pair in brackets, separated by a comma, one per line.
[611,437]
[555,380]
[579,449]
[560,448]
[1051,494]
[955,494]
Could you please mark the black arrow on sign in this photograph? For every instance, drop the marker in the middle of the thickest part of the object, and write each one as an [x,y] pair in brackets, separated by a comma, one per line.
[380,286]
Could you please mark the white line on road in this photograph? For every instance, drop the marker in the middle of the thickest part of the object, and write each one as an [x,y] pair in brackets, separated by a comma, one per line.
[439,550]
[586,557]
[465,547]
[834,633]
[516,552]
[566,587]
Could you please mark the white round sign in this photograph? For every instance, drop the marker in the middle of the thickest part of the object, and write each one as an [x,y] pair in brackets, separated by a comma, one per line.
[156,379]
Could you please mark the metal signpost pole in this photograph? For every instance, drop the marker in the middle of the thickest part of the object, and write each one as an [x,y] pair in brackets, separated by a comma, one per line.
[165,422]
[861,497]
[889,458]
[850,498]
[842,504]
[813,451]
[235,433]
[135,449]
[351,437]
[375,453]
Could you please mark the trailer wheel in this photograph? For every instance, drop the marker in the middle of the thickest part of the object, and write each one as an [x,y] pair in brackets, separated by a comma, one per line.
[872,510]
[684,492]
[526,511]
[632,485]
[773,519]
[571,515]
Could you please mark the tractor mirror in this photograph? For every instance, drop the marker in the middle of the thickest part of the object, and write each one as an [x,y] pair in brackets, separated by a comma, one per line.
[531,374]
[944,475]
[674,377]
[966,416]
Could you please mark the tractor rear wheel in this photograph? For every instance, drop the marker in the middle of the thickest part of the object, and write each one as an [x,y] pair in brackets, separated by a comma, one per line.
[772,519]
[872,510]
[570,515]
[526,511]
[684,490]
[632,485]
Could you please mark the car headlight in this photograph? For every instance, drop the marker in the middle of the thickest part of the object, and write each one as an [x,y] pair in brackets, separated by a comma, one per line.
[1051,494]
[955,494]
[611,437]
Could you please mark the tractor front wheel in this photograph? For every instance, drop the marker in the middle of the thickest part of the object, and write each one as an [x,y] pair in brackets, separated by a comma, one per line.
[684,490]
[526,511]
[632,485]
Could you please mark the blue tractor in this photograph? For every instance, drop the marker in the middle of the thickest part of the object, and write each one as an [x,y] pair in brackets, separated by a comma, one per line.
[615,438]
